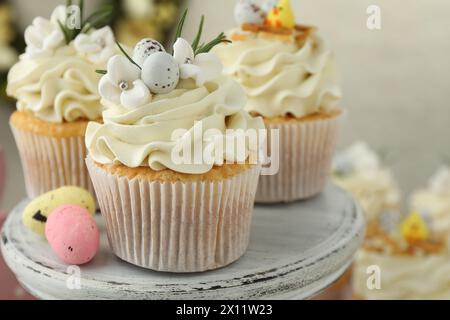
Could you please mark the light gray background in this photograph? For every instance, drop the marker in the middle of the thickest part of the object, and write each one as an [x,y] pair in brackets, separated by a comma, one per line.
[396,81]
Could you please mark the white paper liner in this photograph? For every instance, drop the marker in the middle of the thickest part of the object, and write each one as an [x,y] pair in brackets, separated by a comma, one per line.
[306,150]
[52,162]
[177,227]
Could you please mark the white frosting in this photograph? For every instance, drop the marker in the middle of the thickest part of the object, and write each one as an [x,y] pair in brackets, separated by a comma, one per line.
[358,170]
[280,78]
[436,207]
[403,277]
[358,158]
[58,88]
[143,136]
[55,81]
[435,201]
[440,182]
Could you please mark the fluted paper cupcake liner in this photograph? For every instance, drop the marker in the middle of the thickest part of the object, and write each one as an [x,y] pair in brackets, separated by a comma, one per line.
[305,156]
[52,162]
[180,226]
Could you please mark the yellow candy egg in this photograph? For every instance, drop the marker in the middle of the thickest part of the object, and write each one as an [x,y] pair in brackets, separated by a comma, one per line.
[36,213]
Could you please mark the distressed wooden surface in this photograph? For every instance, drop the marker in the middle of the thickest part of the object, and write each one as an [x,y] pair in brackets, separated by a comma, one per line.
[295,252]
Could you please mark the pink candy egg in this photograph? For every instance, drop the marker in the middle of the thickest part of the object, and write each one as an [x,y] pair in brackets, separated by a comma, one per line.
[73,234]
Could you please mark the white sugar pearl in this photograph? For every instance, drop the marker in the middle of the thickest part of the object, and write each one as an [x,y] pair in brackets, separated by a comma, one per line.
[145,48]
[160,73]
[124,86]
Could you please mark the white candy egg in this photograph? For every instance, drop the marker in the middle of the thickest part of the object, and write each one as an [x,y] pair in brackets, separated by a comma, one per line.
[160,73]
[145,48]
[247,12]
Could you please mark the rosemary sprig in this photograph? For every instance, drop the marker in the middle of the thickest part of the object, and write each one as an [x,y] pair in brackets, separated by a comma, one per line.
[221,38]
[103,72]
[64,31]
[126,55]
[181,25]
[199,34]
[81,4]
[96,20]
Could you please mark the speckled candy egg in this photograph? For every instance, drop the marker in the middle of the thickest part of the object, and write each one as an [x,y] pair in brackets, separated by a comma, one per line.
[73,234]
[160,73]
[247,12]
[145,48]
[36,213]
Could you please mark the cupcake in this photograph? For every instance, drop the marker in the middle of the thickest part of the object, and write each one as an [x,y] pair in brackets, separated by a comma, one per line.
[358,170]
[290,79]
[56,88]
[175,194]
[409,262]
[434,201]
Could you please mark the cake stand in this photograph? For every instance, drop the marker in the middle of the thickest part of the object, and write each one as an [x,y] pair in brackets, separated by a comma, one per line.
[296,251]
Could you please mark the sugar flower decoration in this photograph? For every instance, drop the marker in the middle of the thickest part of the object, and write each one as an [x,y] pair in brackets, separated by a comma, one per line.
[202,68]
[131,81]
[122,84]
[43,37]
[59,14]
[98,46]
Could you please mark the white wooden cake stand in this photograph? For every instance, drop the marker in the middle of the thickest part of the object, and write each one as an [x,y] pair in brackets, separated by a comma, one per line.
[296,251]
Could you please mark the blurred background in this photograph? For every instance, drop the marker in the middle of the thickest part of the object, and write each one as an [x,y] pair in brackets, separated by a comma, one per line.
[395,80]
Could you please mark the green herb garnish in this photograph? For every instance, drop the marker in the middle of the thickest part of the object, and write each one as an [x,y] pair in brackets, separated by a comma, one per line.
[199,34]
[126,55]
[221,38]
[180,25]
[98,19]
[204,48]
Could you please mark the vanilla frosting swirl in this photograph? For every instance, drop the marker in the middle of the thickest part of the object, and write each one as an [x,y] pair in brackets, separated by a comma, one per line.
[403,277]
[279,77]
[436,206]
[144,136]
[58,88]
